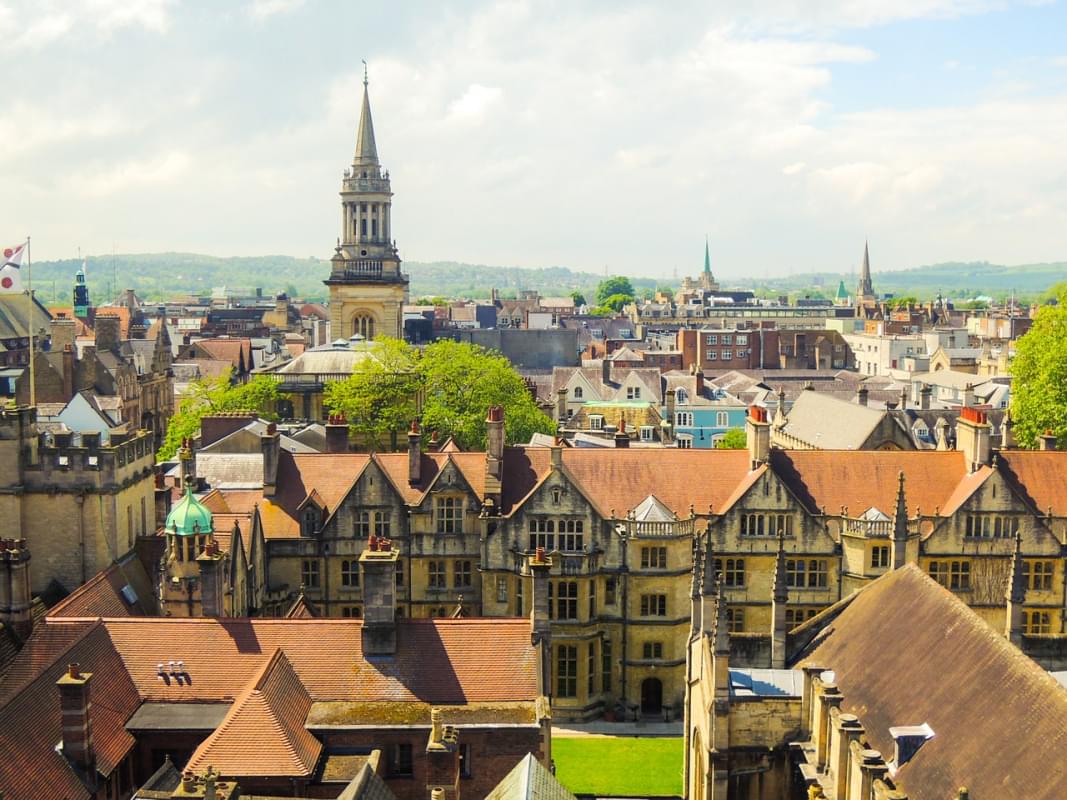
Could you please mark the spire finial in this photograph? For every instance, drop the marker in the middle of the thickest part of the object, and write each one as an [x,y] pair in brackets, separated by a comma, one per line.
[365,81]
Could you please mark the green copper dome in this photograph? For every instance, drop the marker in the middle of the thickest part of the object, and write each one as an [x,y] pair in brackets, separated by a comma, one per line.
[189,517]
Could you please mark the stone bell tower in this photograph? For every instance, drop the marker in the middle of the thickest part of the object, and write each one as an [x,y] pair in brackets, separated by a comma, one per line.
[367,288]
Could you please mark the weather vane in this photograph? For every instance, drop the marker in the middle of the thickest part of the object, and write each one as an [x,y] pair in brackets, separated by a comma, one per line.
[364,71]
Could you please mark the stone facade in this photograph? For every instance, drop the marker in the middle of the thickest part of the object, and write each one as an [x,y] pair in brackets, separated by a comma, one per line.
[78,504]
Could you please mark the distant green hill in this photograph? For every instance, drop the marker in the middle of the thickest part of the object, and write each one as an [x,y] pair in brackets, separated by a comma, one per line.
[952,279]
[156,276]
[162,275]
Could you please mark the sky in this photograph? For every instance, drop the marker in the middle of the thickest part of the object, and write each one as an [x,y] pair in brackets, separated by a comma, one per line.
[597,135]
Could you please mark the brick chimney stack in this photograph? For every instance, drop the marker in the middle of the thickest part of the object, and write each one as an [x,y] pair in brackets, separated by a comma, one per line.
[861,395]
[414,454]
[924,397]
[974,437]
[108,330]
[68,372]
[758,436]
[494,456]
[1046,441]
[336,434]
[15,596]
[76,710]
[622,438]
[63,332]
[561,404]
[378,565]
[540,626]
[442,759]
[212,586]
[271,444]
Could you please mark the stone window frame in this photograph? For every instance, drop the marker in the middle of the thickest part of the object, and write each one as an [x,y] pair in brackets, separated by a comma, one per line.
[566,670]
[310,573]
[652,651]
[879,556]
[654,557]
[350,573]
[654,605]
[462,574]
[1040,577]
[448,513]
[732,572]
[437,574]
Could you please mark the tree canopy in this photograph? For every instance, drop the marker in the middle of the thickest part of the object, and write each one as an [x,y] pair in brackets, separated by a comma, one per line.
[213,396]
[617,285]
[449,385]
[733,439]
[1039,377]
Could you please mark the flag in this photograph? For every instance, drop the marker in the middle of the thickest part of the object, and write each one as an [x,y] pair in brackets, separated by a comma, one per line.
[10,273]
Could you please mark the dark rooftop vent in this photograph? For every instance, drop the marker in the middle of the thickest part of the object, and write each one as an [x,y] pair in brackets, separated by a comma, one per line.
[908,738]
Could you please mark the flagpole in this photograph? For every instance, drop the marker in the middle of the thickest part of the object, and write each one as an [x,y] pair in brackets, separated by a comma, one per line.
[29,319]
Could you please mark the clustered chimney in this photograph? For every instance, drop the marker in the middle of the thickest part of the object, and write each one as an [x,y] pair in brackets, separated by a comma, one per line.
[378,565]
[622,438]
[76,711]
[442,759]
[336,434]
[15,596]
[68,372]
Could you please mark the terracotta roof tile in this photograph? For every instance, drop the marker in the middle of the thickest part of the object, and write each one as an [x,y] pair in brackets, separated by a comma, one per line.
[859,480]
[621,478]
[31,725]
[438,661]
[101,595]
[906,651]
[263,733]
[228,350]
[1040,475]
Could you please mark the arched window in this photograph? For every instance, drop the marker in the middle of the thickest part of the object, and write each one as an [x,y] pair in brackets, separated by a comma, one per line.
[578,394]
[363,325]
[681,396]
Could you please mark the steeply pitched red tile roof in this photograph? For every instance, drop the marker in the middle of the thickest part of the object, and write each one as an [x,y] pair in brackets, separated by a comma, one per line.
[438,661]
[830,479]
[621,478]
[263,733]
[906,651]
[1040,475]
[101,595]
[31,724]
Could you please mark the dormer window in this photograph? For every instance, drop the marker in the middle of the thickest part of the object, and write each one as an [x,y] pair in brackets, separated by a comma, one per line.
[633,392]
[578,394]
[309,522]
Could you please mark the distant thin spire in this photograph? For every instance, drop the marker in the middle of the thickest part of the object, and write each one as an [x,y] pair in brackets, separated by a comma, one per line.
[707,255]
[865,288]
[366,149]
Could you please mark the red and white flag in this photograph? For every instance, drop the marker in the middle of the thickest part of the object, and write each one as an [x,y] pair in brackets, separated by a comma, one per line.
[11,272]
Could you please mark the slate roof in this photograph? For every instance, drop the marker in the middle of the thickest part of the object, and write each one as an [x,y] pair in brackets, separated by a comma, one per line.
[529,780]
[852,423]
[905,651]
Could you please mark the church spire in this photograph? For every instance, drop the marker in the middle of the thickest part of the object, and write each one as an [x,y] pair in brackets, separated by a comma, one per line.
[707,257]
[865,291]
[366,149]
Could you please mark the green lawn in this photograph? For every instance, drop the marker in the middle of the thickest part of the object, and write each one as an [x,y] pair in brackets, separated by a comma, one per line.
[627,766]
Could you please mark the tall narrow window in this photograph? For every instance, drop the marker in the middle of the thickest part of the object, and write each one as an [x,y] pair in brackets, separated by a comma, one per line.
[350,574]
[590,668]
[437,575]
[566,670]
[461,574]
[449,513]
[605,665]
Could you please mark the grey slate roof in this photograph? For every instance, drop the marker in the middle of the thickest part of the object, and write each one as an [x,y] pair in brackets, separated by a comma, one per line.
[529,780]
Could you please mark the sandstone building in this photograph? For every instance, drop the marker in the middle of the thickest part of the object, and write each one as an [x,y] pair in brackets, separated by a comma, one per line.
[621,525]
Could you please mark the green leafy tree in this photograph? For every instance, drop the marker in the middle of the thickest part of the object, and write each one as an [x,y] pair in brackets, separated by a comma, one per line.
[609,287]
[613,304]
[578,298]
[733,439]
[1057,292]
[213,396]
[455,382]
[1039,377]
[380,398]
[462,380]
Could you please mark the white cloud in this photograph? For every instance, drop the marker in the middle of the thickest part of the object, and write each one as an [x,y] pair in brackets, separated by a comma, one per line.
[474,103]
[264,9]
[135,174]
